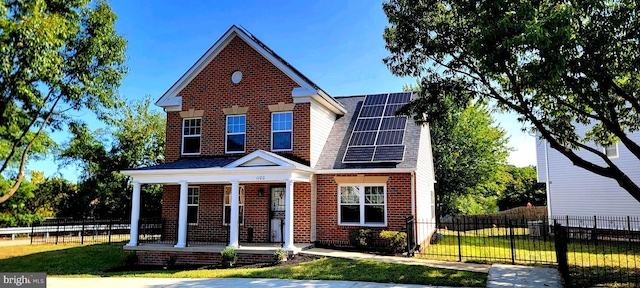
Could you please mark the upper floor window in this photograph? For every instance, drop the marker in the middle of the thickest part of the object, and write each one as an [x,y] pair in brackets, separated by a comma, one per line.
[282,131]
[193,199]
[236,133]
[612,150]
[362,205]
[191,134]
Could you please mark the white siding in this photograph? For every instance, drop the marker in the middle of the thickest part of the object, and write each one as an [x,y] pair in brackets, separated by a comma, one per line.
[321,123]
[576,191]
[425,202]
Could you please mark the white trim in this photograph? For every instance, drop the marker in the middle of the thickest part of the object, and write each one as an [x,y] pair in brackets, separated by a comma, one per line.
[171,105]
[226,134]
[365,170]
[191,136]
[361,199]
[617,151]
[280,131]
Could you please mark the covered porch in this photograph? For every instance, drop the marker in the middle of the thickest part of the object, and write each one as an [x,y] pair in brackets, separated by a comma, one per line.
[259,192]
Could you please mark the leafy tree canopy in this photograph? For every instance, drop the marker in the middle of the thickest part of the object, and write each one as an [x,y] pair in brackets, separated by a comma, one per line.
[469,154]
[560,65]
[522,188]
[134,138]
[55,57]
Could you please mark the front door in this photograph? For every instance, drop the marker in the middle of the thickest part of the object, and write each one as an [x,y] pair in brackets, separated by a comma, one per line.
[276,213]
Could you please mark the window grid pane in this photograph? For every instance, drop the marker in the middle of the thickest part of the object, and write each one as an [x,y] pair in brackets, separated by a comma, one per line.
[362,205]
[227,204]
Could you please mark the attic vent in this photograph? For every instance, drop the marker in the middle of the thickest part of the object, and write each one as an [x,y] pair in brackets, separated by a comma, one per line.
[236,77]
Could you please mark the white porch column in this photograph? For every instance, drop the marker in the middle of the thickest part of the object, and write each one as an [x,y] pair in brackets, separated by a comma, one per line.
[288,216]
[182,215]
[135,214]
[234,224]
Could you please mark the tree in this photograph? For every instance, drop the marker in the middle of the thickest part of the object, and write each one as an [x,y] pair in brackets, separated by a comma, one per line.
[469,154]
[560,65]
[522,188]
[55,57]
[137,139]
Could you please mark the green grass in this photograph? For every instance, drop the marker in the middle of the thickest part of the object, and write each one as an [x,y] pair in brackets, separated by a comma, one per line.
[92,260]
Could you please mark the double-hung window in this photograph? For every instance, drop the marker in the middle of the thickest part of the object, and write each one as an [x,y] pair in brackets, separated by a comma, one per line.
[191,134]
[282,131]
[363,205]
[236,133]
[227,205]
[193,199]
[611,151]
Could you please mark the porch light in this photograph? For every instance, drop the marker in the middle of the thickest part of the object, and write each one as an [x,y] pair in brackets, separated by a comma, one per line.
[260,192]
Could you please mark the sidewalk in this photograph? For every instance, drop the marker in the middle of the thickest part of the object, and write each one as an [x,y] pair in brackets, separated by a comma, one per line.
[472,267]
[215,283]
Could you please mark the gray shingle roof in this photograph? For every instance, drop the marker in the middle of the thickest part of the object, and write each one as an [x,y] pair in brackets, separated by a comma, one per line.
[336,145]
[192,163]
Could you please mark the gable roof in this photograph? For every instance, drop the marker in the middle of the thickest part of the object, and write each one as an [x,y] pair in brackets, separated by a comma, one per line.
[338,140]
[307,89]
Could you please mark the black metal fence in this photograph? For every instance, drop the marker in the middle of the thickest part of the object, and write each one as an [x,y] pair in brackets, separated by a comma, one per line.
[82,231]
[587,250]
[158,231]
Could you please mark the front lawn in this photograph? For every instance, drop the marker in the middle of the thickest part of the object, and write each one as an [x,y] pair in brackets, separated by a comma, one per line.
[93,260]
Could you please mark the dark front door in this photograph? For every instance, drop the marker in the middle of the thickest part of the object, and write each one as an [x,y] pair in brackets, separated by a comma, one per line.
[276,213]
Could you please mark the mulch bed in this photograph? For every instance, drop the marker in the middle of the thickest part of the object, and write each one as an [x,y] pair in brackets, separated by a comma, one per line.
[296,259]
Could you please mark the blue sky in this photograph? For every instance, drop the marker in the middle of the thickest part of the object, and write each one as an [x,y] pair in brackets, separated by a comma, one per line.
[337,44]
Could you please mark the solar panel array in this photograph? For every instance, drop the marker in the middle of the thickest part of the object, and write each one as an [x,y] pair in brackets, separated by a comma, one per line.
[378,135]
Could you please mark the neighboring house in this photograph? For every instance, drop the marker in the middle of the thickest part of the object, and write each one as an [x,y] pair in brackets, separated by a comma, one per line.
[573,191]
[258,155]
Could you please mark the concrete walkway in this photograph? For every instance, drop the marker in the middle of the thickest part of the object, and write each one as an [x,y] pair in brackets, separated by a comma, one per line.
[472,267]
[502,275]
[214,283]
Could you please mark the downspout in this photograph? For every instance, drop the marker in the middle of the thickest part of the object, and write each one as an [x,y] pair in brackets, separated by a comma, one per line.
[413,194]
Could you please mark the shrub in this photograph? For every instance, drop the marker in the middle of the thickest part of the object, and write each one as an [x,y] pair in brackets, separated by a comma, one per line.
[359,237]
[171,260]
[131,258]
[397,240]
[229,256]
[280,255]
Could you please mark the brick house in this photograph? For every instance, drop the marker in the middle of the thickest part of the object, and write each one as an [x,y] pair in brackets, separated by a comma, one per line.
[257,156]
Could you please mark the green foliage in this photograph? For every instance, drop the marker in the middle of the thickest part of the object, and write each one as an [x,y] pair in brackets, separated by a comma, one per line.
[131,258]
[229,256]
[137,139]
[57,57]
[522,188]
[171,260]
[469,151]
[359,237]
[475,203]
[280,255]
[563,67]
[397,240]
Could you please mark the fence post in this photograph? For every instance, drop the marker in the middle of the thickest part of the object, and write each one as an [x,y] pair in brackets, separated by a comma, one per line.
[57,230]
[512,242]
[82,233]
[561,252]
[459,244]
[32,232]
[109,229]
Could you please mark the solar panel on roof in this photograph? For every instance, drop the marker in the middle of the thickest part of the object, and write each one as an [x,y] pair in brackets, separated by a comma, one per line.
[359,154]
[388,153]
[378,135]
[378,99]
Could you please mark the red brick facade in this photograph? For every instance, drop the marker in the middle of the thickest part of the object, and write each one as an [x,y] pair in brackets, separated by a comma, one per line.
[196,258]
[210,226]
[211,90]
[398,207]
